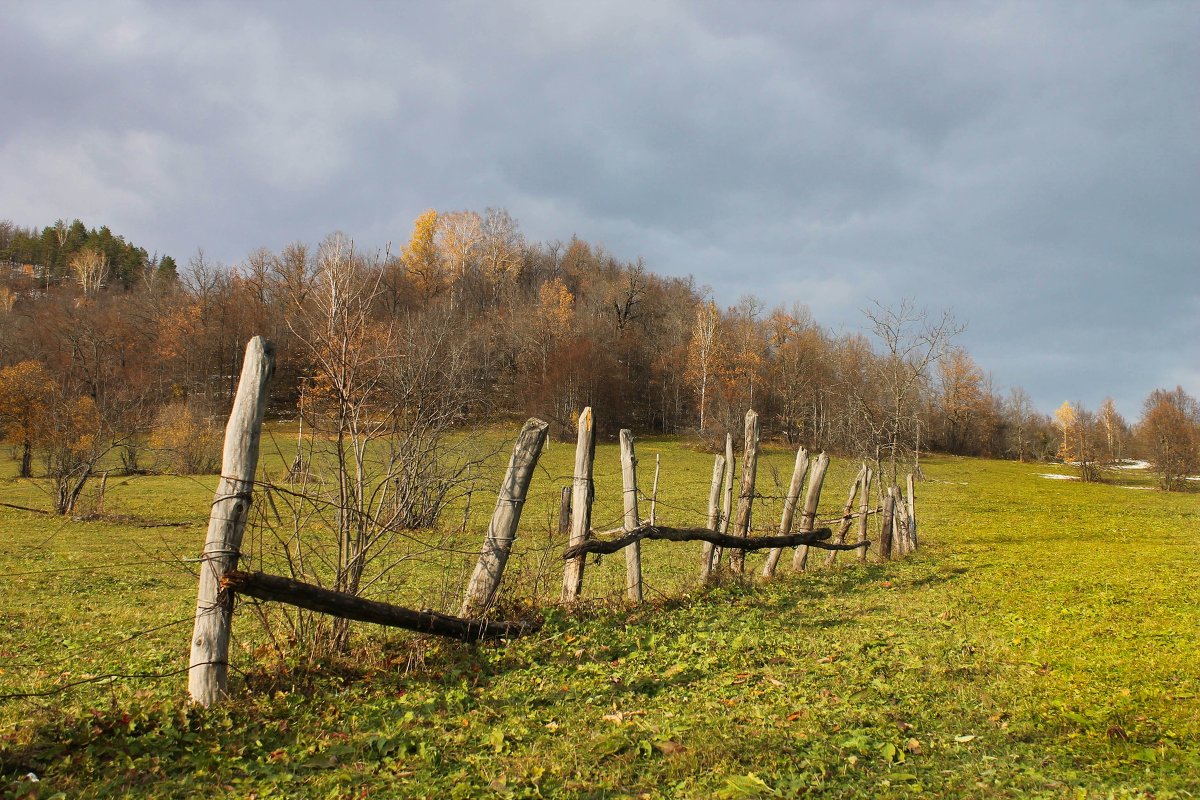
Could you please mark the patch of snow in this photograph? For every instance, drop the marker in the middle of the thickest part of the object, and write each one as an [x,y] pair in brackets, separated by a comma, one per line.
[1054,476]
[1140,488]
[1130,463]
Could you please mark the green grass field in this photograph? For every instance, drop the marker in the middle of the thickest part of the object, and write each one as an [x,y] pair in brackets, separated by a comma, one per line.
[1044,642]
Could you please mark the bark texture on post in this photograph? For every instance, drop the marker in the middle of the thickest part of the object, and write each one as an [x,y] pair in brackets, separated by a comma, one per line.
[208,666]
[737,559]
[864,507]
[502,530]
[789,510]
[714,514]
[812,498]
[886,535]
[581,502]
[900,525]
[847,517]
[564,511]
[633,553]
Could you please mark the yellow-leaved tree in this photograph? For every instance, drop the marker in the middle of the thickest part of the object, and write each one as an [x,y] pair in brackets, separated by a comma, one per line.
[1077,427]
[421,257]
[26,394]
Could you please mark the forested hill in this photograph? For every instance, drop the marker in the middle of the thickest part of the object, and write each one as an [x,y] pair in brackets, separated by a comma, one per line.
[50,252]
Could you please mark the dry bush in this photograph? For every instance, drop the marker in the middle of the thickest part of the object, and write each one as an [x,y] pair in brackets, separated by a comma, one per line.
[186,441]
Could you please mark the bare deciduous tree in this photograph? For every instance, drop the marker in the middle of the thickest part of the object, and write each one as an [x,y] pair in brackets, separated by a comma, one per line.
[913,344]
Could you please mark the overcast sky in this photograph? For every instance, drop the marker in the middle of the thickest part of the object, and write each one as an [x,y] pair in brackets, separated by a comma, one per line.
[1032,166]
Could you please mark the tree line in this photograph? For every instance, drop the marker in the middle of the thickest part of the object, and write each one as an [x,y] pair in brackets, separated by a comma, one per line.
[105,347]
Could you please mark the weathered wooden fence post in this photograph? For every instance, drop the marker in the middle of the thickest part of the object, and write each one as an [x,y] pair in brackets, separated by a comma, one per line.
[713,518]
[581,503]
[847,517]
[564,511]
[885,534]
[789,510]
[208,666]
[633,553]
[864,509]
[912,511]
[727,498]
[502,530]
[737,558]
[900,524]
[812,498]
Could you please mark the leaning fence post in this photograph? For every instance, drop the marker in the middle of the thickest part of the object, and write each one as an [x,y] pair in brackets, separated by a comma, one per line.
[208,666]
[581,503]
[864,509]
[633,553]
[711,521]
[789,510]
[847,518]
[502,530]
[808,520]
[737,559]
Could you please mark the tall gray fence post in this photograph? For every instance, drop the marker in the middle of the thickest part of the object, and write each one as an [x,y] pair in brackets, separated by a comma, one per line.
[502,530]
[208,667]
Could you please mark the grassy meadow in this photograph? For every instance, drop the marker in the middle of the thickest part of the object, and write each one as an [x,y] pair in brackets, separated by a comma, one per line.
[1044,642]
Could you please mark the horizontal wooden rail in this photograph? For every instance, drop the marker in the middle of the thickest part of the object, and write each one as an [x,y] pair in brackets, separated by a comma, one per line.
[339,604]
[811,538]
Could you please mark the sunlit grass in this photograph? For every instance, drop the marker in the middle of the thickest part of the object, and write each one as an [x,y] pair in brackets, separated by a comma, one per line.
[1044,642]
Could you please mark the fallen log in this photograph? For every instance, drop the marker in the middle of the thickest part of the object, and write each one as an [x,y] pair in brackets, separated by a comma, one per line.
[811,538]
[339,604]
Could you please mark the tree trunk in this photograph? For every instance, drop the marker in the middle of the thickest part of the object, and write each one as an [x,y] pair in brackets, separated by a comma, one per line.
[208,667]
[811,499]
[789,510]
[633,553]
[26,459]
[581,502]
[502,531]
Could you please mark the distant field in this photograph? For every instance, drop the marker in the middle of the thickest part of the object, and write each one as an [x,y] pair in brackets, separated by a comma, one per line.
[1044,642]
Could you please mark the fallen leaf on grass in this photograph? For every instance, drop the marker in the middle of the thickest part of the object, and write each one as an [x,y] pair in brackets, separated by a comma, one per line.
[914,747]
[670,747]
[965,738]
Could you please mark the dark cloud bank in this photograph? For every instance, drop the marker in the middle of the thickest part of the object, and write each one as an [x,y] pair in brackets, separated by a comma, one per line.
[1032,166]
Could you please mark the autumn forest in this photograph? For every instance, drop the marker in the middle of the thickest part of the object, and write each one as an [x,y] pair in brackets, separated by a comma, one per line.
[106,349]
